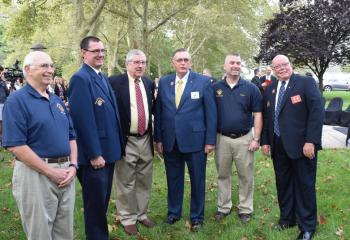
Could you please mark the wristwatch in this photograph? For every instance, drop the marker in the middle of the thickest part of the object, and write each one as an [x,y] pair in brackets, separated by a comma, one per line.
[256,140]
[74,165]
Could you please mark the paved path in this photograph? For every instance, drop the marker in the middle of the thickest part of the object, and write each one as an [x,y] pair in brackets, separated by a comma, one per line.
[332,138]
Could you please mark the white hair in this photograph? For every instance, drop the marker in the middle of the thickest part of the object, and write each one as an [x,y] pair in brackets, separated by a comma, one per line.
[134,52]
[30,58]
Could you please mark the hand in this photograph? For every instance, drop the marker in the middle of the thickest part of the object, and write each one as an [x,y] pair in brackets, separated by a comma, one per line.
[98,162]
[159,148]
[57,175]
[208,148]
[71,171]
[309,150]
[266,150]
[253,146]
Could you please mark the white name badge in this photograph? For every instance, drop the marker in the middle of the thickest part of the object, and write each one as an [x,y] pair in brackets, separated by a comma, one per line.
[194,95]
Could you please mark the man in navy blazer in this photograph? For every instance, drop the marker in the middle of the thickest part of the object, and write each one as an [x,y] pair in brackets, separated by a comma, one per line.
[135,94]
[293,119]
[96,120]
[185,132]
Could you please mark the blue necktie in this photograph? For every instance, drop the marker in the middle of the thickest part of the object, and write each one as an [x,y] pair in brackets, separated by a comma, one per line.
[276,128]
[104,83]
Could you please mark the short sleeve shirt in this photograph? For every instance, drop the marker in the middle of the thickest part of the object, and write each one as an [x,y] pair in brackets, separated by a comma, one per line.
[236,105]
[42,124]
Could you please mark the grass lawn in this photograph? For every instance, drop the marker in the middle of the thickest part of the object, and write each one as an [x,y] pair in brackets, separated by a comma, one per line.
[343,94]
[333,192]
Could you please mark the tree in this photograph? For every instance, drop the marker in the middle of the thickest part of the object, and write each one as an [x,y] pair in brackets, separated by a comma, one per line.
[315,34]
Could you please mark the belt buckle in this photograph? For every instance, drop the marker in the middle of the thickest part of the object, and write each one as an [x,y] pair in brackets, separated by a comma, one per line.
[232,135]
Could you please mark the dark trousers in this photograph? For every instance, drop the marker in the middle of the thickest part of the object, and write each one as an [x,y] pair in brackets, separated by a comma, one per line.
[96,186]
[175,169]
[295,182]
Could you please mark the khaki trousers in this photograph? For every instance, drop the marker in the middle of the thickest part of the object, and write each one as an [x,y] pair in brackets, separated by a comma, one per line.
[133,174]
[46,210]
[227,151]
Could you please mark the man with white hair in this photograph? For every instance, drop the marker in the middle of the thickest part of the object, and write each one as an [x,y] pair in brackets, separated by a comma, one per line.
[134,171]
[39,132]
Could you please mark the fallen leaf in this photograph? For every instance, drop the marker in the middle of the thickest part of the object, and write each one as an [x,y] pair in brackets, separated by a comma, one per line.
[321,220]
[339,232]
[188,224]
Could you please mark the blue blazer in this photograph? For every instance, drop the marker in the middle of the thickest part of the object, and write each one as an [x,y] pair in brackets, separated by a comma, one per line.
[95,115]
[120,85]
[193,124]
[301,116]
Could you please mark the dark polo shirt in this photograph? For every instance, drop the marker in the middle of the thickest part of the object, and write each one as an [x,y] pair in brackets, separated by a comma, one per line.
[236,105]
[42,124]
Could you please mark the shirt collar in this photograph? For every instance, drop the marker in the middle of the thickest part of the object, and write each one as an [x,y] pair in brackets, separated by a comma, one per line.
[96,71]
[34,92]
[184,79]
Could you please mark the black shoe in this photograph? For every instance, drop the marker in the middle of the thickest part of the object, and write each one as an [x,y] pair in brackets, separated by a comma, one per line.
[196,226]
[283,226]
[171,220]
[305,235]
[245,217]
[220,215]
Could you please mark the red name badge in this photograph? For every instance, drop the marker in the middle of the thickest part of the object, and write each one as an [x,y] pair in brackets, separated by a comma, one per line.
[296,99]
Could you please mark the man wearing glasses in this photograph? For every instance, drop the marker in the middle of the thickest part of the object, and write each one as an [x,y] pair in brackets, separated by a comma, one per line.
[293,119]
[96,120]
[134,171]
[185,132]
[39,132]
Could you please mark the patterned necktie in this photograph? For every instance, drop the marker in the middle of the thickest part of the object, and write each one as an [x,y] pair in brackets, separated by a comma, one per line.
[178,93]
[104,83]
[141,117]
[278,108]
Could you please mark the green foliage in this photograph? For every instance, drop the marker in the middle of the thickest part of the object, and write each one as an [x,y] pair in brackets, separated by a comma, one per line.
[210,29]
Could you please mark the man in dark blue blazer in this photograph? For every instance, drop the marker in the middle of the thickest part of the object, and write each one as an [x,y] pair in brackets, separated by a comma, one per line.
[185,132]
[135,94]
[96,119]
[293,119]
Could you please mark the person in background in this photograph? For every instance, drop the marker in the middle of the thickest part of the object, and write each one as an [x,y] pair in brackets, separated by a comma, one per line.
[268,78]
[60,89]
[256,79]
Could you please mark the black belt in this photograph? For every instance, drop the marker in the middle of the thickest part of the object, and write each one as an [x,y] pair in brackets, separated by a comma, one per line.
[234,135]
[56,160]
[138,135]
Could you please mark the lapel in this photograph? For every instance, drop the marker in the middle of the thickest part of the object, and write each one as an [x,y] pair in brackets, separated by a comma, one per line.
[187,91]
[96,79]
[171,89]
[124,92]
[286,96]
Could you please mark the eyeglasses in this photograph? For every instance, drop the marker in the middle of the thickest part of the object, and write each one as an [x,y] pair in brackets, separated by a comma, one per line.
[45,65]
[185,60]
[279,66]
[97,51]
[143,63]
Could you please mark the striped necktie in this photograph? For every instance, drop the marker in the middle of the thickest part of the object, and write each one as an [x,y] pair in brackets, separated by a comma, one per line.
[178,93]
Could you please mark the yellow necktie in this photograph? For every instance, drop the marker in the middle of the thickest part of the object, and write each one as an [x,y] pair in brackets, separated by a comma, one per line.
[178,93]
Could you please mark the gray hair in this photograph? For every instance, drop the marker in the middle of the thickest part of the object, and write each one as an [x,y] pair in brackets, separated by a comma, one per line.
[132,53]
[232,55]
[30,58]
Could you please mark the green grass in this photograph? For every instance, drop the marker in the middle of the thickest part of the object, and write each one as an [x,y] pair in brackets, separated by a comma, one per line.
[343,94]
[333,191]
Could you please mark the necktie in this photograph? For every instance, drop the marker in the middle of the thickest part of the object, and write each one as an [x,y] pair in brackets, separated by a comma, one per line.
[278,108]
[104,83]
[178,93]
[141,118]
